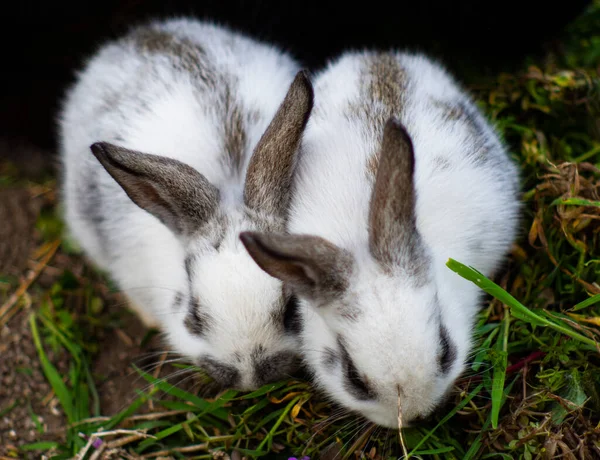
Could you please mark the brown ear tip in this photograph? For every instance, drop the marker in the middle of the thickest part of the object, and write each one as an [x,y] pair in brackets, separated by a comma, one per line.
[303,78]
[394,127]
[101,149]
[304,75]
[248,238]
[97,148]
[394,124]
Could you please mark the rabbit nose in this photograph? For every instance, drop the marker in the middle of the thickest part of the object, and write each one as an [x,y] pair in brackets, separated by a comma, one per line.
[225,375]
[274,367]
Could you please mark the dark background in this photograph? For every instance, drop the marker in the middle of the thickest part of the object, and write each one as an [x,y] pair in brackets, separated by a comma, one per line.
[43,43]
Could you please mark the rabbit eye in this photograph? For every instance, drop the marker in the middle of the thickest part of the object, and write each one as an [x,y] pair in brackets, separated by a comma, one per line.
[291,316]
[355,383]
[448,354]
[359,384]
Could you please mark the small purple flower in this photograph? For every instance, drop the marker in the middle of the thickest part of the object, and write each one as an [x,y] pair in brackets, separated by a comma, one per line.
[97,443]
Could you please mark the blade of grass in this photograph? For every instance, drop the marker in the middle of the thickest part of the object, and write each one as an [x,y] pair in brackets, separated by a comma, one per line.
[255,453]
[168,388]
[6,410]
[74,349]
[35,418]
[178,405]
[587,303]
[210,409]
[264,390]
[47,445]
[478,360]
[500,364]
[441,450]
[93,390]
[448,416]
[518,310]
[269,437]
[53,376]
[133,407]
[575,201]
[474,448]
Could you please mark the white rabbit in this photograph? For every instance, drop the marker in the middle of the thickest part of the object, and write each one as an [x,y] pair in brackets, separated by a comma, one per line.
[398,172]
[193,142]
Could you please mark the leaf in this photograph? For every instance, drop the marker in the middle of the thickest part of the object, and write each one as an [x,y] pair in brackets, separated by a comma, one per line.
[575,201]
[296,409]
[517,309]
[595,320]
[587,303]
[573,393]
[287,397]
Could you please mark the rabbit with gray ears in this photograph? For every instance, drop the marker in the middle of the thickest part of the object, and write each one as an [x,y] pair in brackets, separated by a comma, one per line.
[399,171]
[194,131]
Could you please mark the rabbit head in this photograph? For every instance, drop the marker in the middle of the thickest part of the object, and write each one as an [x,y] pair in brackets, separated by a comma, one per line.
[230,318]
[377,332]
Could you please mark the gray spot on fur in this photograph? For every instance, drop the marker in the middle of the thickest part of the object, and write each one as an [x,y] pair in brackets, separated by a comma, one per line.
[463,113]
[90,206]
[382,95]
[235,137]
[387,83]
[177,301]
[330,358]
[278,313]
[189,266]
[183,53]
[349,313]
[475,246]
[450,111]
[191,58]
[441,163]
[258,351]
[263,221]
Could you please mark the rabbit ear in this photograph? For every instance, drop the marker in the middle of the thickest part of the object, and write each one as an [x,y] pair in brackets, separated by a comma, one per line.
[393,236]
[269,176]
[175,193]
[310,265]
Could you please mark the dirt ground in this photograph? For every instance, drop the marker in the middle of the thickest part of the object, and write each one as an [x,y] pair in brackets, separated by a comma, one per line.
[25,395]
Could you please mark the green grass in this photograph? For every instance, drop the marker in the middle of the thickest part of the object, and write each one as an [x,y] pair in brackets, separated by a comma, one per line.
[533,389]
